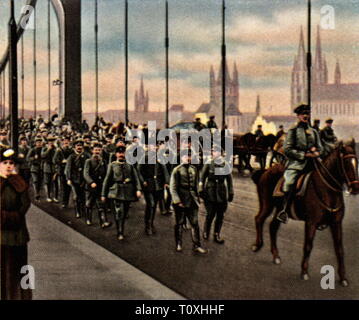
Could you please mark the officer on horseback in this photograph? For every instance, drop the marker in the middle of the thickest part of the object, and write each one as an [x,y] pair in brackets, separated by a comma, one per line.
[301,146]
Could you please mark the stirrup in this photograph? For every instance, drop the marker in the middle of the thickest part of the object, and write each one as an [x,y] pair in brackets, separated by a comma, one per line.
[283,217]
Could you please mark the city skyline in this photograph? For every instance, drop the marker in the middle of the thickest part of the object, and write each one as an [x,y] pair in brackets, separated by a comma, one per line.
[261,40]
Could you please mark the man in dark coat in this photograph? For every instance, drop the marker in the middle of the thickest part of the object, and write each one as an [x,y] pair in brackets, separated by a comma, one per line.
[94,174]
[184,191]
[216,188]
[24,167]
[47,155]
[60,159]
[155,179]
[259,131]
[75,177]
[34,159]
[14,204]
[211,124]
[122,184]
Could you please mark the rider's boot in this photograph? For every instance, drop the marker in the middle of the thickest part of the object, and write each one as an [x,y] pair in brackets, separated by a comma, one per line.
[283,216]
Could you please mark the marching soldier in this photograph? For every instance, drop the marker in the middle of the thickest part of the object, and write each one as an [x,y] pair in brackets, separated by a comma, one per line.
[216,188]
[87,145]
[122,184]
[60,159]
[47,155]
[34,159]
[109,148]
[301,146]
[184,191]
[74,175]
[259,131]
[24,168]
[155,179]
[198,125]
[211,124]
[94,174]
[328,136]
[316,125]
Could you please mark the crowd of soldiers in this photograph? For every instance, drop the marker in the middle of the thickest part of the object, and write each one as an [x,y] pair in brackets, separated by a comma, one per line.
[60,158]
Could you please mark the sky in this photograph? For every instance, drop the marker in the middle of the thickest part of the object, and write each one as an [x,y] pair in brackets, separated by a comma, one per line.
[262,38]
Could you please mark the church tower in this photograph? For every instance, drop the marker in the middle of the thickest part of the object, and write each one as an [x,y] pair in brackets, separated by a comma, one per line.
[337,74]
[319,67]
[299,87]
[258,106]
[141,100]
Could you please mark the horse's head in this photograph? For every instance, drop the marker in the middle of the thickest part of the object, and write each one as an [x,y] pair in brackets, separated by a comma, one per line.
[349,165]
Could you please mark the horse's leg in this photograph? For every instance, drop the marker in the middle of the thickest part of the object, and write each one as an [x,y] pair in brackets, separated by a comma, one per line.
[260,218]
[273,229]
[337,233]
[310,230]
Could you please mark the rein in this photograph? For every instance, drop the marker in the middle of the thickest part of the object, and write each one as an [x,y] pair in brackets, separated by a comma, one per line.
[327,183]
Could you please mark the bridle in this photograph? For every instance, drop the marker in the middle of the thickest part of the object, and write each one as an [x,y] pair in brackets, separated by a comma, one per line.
[338,188]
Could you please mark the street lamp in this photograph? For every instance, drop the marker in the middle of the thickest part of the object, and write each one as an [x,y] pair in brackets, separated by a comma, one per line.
[58,82]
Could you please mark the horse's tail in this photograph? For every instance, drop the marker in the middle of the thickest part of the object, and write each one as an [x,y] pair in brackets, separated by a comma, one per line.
[257,175]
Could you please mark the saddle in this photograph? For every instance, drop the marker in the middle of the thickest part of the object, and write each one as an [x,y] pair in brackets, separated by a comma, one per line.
[301,185]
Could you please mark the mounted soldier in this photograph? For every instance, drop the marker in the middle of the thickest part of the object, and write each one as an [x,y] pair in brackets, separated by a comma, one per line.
[301,146]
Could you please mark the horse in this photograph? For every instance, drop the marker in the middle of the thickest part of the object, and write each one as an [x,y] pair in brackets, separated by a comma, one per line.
[242,145]
[321,205]
[262,146]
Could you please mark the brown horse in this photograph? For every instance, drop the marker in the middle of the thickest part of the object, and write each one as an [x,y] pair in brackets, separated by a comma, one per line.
[322,204]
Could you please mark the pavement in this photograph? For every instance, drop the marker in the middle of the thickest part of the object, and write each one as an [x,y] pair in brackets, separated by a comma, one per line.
[231,271]
[70,266]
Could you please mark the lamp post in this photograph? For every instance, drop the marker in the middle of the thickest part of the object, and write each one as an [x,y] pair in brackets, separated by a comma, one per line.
[126,62]
[167,68]
[13,89]
[224,63]
[309,53]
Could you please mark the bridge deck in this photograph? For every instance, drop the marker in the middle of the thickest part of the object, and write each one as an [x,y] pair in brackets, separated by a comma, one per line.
[70,266]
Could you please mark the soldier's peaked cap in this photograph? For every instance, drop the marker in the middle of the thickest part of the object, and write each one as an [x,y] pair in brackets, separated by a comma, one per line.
[121,149]
[7,154]
[329,120]
[303,108]
[78,142]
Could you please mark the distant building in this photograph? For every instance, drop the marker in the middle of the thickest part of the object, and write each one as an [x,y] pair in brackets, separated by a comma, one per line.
[176,113]
[214,106]
[141,99]
[337,100]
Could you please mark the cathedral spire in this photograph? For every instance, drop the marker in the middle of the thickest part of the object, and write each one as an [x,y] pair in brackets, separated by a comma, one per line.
[338,74]
[235,73]
[301,63]
[142,90]
[258,106]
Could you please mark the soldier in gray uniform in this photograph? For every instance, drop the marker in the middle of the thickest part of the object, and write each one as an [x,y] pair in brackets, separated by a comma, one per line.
[217,191]
[75,177]
[328,136]
[34,159]
[155,179]
[47,155]
[60,159]
[301,146]
[122,185]
[184,191]
[94,174]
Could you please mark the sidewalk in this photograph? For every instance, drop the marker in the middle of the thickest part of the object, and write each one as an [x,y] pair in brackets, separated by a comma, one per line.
[69,266]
